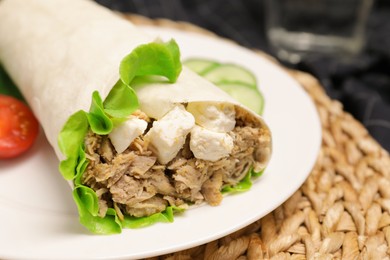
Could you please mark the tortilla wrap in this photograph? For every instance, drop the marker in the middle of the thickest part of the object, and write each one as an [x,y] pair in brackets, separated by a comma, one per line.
[59,52]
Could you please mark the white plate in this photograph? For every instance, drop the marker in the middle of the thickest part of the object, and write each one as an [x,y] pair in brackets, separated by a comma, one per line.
[38,219]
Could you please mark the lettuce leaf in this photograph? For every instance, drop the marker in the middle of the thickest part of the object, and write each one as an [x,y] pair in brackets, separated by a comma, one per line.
[121,101]
[156,58]
[245,184]
[86,201]
[70,142]
[165,59]
[165,216]
[98,119]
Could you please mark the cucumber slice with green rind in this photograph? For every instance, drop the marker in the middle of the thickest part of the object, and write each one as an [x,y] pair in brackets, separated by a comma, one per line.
[252,98]
[237,81]
[231,73]
[200,66]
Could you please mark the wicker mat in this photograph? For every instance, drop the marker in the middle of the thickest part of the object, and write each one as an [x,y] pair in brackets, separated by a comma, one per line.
[342,211]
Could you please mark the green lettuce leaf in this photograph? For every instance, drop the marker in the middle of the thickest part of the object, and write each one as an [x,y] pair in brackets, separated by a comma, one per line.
[70,142]
[81,166]
[257,174]
[245,184]
[165,59]
[156,58]
[98,119]
[121,101]
[86,202]
[165,216]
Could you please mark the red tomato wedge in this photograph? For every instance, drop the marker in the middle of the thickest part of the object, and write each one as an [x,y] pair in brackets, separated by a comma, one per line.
[18,127]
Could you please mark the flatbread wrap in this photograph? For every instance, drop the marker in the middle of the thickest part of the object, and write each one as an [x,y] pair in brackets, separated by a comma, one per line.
[138,135]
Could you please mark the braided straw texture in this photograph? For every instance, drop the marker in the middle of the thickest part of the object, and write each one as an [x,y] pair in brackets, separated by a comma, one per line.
[342,211]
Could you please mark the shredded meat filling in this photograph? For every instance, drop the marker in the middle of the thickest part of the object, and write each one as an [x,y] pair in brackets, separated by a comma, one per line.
[134,183]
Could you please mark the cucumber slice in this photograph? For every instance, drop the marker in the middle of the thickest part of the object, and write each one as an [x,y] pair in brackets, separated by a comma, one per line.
[200,66]
[246,95]
[231,73]
[237,81]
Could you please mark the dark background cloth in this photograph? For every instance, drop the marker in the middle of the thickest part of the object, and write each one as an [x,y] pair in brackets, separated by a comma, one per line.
[363,86]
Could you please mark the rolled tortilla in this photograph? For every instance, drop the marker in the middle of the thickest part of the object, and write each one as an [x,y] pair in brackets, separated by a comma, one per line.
[59,52]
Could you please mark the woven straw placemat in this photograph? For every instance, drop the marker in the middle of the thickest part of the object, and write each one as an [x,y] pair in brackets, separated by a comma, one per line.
[342,211]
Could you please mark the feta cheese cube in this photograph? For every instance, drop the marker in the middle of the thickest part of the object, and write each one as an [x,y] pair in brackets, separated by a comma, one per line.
[124,134]
[167,135]
[217,117]
[209,145]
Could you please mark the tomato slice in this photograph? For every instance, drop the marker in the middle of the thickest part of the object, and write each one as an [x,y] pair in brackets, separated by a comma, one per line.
[18,127]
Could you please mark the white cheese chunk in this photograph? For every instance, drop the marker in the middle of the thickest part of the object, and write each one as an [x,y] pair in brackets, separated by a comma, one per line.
[167,135]
[209,145]
[125,133]
[217,117]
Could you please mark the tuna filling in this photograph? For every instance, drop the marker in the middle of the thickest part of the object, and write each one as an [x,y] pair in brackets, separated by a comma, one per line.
[135,183]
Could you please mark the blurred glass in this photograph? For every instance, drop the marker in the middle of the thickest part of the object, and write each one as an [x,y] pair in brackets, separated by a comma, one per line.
[297,28]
